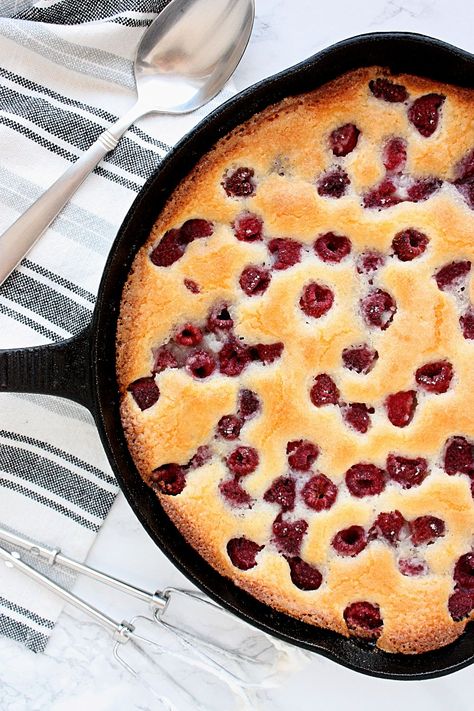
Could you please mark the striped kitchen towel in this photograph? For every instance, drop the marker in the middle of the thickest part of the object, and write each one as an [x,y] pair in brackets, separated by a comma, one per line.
[65,75]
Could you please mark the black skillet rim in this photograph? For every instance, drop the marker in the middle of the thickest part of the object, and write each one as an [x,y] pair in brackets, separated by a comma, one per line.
[428,57]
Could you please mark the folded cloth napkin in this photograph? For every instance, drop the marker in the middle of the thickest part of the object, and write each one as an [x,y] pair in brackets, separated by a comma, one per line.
[66,74]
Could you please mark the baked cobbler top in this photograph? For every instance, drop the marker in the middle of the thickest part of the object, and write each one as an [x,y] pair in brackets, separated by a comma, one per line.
[295,351]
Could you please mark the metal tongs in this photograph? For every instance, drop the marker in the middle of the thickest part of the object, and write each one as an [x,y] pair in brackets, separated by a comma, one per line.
[186,631]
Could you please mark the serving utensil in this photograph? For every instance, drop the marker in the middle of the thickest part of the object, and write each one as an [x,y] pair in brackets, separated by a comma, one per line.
[174,674]
[183,60]
[184,624]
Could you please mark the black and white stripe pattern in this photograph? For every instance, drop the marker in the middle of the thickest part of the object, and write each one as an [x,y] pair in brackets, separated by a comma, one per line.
[70,13]
[66,75]
[54,480]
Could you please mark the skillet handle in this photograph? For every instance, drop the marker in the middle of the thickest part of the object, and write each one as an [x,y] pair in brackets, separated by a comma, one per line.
[62,369]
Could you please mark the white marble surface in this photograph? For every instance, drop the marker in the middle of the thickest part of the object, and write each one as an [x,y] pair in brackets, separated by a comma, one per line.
[77,672]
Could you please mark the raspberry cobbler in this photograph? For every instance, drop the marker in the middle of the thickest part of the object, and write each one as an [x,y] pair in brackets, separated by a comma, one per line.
[295,352]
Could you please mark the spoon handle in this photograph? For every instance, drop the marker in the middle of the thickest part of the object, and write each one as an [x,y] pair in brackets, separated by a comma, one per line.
[18,239]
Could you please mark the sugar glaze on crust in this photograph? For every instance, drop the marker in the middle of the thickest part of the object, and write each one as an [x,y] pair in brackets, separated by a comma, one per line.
[396,179]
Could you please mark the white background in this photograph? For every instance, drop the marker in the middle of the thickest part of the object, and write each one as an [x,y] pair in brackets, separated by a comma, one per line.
[77,671]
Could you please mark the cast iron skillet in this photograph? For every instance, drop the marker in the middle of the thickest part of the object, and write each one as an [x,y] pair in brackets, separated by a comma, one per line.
[83,368]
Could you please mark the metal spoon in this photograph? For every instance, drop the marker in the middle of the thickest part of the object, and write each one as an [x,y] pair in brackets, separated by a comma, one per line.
[183,60]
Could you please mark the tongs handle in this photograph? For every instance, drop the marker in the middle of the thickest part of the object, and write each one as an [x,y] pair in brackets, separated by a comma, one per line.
[13,560]
[125,631]
[53,556]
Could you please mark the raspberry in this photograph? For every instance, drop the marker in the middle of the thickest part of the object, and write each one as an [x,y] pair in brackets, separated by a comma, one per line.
[357,415]
[435,377]
[163,358]
[243,461]
[423,188]
[267,352]
[332,248]
[344,139]
[466,322]
[229,426]
[464,571]
[220,319]
[319,493]
[192,286]
[369,262]
[145,392]
[412,567]
[401,407]
[378,309]
[465,168]
[409,244]
[324,391]
[458,457]
[233,492]
[170,248]
[239,183]
[395,155]
[350,541]
[202,456]
[249,404]
[301,454]
[316,300]
[233,358]
[383,196]
[303,575]
[385,89]
[254,280]
[364,620]
[286,252]
[424,113]
[365,480]
[460,604]
[248,227]
[333,183]
[465,178]
[407,472]
[426,529]
[243,552]
[361,358]
[282,492]
[389,526]
[168,479]
[196,229]
[188,335]
[452,275]
[466,188]
[200,364]
[288,535]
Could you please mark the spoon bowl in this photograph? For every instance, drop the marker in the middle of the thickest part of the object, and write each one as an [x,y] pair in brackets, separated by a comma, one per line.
[189,52]
[183,60]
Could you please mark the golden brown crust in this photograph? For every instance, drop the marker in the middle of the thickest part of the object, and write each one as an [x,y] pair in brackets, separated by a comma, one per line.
[155,300]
